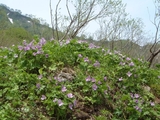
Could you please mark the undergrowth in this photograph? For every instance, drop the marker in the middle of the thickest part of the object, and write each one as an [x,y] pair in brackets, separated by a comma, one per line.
[45,80]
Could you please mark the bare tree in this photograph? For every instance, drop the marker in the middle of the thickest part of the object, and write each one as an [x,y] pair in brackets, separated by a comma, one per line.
[52,22]
[82,13]
[120,31]
[156,22]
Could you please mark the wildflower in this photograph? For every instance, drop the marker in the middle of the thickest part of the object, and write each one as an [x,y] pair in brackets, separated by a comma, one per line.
[75,103]
[79,55]
[138,108]
[40,77]
[43,97]
[99,82]
[70,106]
[131,94]
[120,79]
[91,45]
[70,95]
[105,78]
[96,64]
[26,48]
[94,87]
[68,41]
[93,80]
[64,89]
[20,48]
[60,103]
[39,52]
[46,55]
[42,41]
[129,74]
[88,78]
[136,100]
[86,59]
[121,63]
[38,85]
[55,100]
[34,53]
[131,64]
[152,104]
[136,95]
[128,59]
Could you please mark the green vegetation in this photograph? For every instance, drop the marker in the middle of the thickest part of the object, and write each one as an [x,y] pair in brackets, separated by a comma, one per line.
[15,27]
[75,80]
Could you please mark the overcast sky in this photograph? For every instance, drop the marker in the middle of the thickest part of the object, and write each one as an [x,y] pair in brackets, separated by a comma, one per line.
[40,8]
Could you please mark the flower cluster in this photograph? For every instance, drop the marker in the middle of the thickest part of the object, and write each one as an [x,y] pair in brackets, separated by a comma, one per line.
[37,48]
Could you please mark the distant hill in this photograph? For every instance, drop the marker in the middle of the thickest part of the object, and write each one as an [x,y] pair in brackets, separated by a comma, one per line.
[14,20]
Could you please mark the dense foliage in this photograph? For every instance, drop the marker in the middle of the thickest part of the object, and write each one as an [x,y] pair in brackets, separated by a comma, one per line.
[75,80]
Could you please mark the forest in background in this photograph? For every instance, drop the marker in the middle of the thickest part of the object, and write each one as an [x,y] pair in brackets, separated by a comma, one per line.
[117,33]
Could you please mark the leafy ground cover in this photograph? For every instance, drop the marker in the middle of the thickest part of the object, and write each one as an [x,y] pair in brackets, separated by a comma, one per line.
[73,80]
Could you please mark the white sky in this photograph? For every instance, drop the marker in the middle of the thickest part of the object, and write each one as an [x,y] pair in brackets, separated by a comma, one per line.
[40,8]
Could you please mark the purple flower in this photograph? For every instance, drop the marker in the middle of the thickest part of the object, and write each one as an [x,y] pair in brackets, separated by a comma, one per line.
[26,48]
[129,73]
[121,63]
[128,59]
[99,82]
[43,97]
[40,77]
[136,101]
[152,104]
[88,78]
[94,87]
[75,103]
[131,94]
[138,108]
[120,79]
[42,41]
[93,80]
[38,85]
[20,48]
[68,41]
[60,103]
[86,59]
[105,78]
[34,54]
[64,89]
[70,106]
[91,45]
[46,55]
[55,100]
[96,64]
[131,64]
[136,95]
[39,52]
[24,42]
[70,95]
[79,55]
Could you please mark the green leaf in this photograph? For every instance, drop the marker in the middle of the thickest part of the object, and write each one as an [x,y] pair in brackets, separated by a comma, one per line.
[40,71]
[53,68]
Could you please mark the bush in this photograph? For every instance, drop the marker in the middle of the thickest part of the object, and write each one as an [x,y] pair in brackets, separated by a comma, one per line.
[75,80]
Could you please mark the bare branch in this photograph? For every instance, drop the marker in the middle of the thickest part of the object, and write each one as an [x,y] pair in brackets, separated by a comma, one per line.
[56,19]
[52,23]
